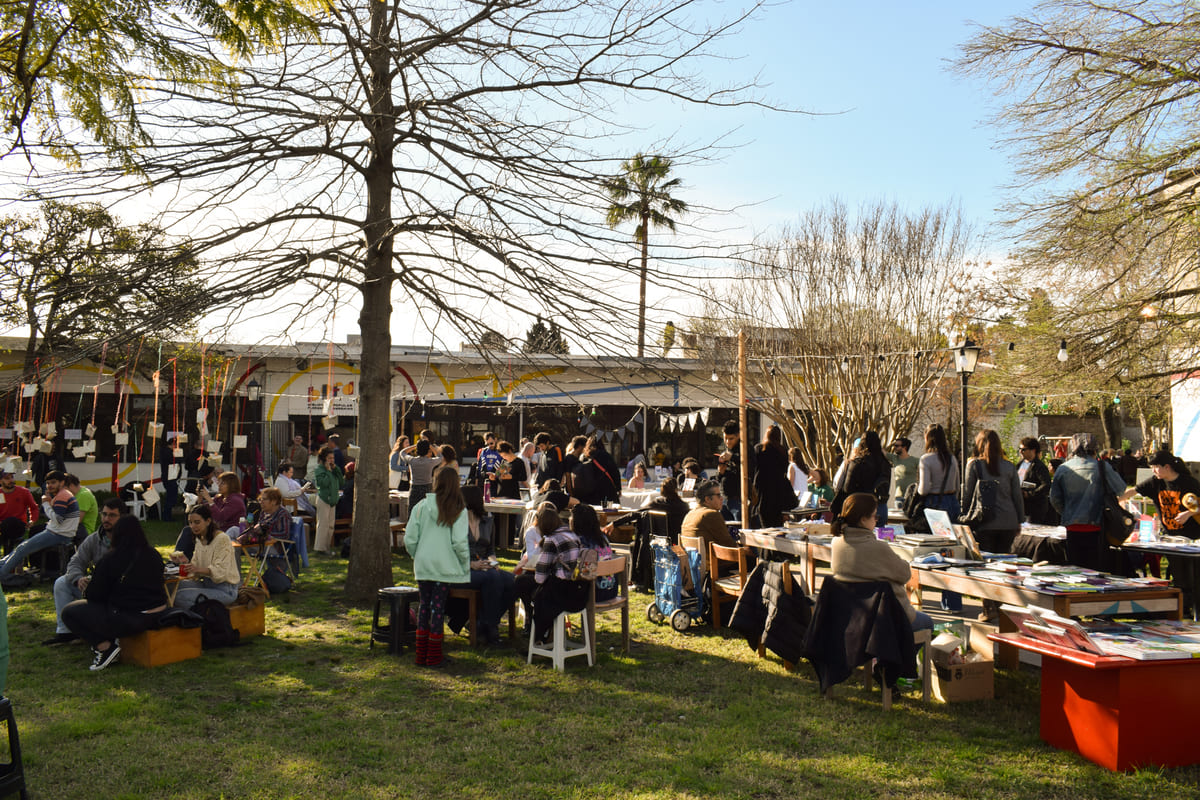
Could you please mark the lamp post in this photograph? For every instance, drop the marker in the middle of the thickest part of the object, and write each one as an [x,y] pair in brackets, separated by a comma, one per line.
[966,356]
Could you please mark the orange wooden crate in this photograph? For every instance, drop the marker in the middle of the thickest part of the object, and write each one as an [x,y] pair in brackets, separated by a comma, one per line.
[248,621]
[162,646]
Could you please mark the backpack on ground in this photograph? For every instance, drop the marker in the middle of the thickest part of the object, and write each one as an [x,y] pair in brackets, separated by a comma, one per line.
[275,575]
[217,630]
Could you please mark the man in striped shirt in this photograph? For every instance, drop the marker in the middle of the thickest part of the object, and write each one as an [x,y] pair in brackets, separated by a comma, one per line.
[62,523]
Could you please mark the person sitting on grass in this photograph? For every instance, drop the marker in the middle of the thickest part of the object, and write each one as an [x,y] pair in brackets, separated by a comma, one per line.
[212,568]
[125,596]
[437,539]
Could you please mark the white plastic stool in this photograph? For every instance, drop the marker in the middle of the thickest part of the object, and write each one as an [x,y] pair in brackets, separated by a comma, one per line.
[137,508]
[560,649]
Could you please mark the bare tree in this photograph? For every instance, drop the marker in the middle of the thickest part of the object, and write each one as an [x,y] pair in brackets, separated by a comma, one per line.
[846,315]
[455,153]
[1099,106]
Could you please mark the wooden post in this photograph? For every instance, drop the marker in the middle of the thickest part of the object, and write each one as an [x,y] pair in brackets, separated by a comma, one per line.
[744,448]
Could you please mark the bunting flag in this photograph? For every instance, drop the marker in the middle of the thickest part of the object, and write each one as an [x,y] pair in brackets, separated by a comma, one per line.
[680,422]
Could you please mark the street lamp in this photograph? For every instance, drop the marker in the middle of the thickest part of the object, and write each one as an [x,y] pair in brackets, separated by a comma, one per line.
[966,356]
[253,390]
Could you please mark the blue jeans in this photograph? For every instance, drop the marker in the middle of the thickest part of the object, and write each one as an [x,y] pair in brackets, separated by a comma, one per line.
[34,544]
[65,592]
[190,591]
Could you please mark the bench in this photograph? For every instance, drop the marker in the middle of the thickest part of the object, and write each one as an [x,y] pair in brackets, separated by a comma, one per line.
[155,648]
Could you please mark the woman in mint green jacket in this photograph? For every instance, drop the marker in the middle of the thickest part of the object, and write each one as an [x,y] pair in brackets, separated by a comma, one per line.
[437,539]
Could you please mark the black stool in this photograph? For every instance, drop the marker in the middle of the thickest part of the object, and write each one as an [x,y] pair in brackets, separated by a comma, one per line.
[12,774]
[397,632]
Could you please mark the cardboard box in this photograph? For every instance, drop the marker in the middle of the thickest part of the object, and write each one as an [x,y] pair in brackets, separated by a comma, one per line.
[971,681]
[248,621]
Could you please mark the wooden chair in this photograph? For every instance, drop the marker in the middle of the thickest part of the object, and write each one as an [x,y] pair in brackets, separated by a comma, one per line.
[697,544]
[922,640]
[730,586]
[342,528]
[472,597]
[611,566]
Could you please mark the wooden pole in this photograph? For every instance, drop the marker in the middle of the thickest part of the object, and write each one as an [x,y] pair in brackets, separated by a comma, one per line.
[742,444]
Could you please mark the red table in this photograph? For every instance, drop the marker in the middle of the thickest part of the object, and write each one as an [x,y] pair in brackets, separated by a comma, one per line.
[1117,712]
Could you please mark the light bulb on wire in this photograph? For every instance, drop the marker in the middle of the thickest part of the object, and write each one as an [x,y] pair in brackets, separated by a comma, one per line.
[1062,350]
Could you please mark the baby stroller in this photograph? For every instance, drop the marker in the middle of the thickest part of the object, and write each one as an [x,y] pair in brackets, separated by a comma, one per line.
[670,600]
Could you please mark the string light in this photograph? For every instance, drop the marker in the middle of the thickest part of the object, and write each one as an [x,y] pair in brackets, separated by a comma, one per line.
[1062,351]
[714,377]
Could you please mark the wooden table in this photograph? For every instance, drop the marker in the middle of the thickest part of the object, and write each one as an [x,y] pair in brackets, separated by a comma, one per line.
[1117,712]
[1165,602]
[1187,559]
[806,552]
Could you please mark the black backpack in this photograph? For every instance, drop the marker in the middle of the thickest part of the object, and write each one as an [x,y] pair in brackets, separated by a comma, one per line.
[217,630]
[275,576]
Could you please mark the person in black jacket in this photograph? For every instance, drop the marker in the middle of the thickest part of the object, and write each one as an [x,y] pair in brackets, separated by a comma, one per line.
[1035,483]
[124,597]
[867,471]
[775,494]
[596,478]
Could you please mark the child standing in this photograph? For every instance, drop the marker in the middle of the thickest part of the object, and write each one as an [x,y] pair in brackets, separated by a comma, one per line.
[438,540]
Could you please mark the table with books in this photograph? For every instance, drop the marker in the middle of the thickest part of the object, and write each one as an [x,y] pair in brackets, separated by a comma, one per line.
[1066,590]
[1184,555]
[807,543]
[1121,694]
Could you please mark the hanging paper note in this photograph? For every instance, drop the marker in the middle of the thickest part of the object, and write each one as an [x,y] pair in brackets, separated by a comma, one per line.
[121,438]
[177,452]
[150,496]
[329,422]
[214,461]
[73,434]
[29,390]
[89,446]
[6,433]
[116,429]
[352,451]
[90,430]
[201,415]
[178,436]
[239,441]
[172,472]
[213,446]
[156,429]
[79,452]
[91,458]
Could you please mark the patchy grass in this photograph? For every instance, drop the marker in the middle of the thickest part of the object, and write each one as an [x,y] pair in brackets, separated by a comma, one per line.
[307,711]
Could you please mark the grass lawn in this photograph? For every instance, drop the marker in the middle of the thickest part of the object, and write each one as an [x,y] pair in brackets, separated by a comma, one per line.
[308,712]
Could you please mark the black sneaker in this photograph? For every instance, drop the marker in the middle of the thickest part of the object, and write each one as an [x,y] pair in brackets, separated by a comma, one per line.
[61,638]
[105,657]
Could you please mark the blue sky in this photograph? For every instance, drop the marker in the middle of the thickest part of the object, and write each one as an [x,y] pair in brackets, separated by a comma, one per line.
[911,130]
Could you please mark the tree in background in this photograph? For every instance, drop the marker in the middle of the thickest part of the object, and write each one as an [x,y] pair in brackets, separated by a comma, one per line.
[1099,104]
[75,277]
[846,316]
[84,61]
[642,194]
[543,338]
[454,154]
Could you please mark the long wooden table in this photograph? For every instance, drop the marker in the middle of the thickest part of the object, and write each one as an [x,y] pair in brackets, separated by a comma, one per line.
[1163,602]
[806,552]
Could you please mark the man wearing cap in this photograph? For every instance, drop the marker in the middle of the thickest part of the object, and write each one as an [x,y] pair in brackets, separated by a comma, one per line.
[904,467]
[62,523]
[71,585]
[18,510]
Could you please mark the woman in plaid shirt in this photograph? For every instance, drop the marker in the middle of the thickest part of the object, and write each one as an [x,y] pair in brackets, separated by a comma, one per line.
[556,590]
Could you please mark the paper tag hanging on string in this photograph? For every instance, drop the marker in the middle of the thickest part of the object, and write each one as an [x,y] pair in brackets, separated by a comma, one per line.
[177,452]
[150,496]
[37,443]
[89,446]
[79,452]
[24,428]
[155,429]
[329,422]
[121,438]
[91,458]
[29,389]
[202,431]
[213,446]
[352,451]
[73,434]
[90,430]
[180,437]
[47,446]
[42,429]
[172,472]
[214,461]
[239,441]
[6,433]
[116,429]
[201,415]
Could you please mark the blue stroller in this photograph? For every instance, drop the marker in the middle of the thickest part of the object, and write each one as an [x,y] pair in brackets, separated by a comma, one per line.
[670,601]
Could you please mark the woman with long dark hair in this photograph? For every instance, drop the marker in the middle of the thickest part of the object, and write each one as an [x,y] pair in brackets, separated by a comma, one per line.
[867,471]
[775,494]
[937,473]
[438,540]
[124,597]
[997,534]
[212,566]
[586,526]
[557,590]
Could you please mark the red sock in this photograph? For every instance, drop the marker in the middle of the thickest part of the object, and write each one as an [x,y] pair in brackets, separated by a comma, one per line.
[435,650]
[423,647]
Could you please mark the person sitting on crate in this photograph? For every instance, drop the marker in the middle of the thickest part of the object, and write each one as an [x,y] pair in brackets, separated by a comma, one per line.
[212,567]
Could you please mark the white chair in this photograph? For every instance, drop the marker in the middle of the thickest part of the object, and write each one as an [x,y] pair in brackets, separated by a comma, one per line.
[560,649]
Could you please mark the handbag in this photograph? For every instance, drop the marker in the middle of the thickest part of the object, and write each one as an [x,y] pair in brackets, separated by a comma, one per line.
[913,505]
[1115,522]
[983,502]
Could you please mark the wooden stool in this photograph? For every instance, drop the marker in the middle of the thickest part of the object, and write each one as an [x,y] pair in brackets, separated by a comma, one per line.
[248,621]
[472,598]
[12,774]
[154,648]
[397,632]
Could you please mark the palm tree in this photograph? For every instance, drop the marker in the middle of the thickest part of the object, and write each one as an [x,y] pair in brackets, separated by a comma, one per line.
[643,193]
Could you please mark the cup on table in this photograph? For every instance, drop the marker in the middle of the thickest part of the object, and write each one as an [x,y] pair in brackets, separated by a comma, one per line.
[185,570]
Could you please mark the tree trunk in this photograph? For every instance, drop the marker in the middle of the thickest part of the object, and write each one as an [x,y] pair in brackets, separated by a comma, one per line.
[1110,418]
[371,547]
[642,286]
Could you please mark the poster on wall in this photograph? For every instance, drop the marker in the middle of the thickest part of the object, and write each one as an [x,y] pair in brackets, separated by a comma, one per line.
[1185,414]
